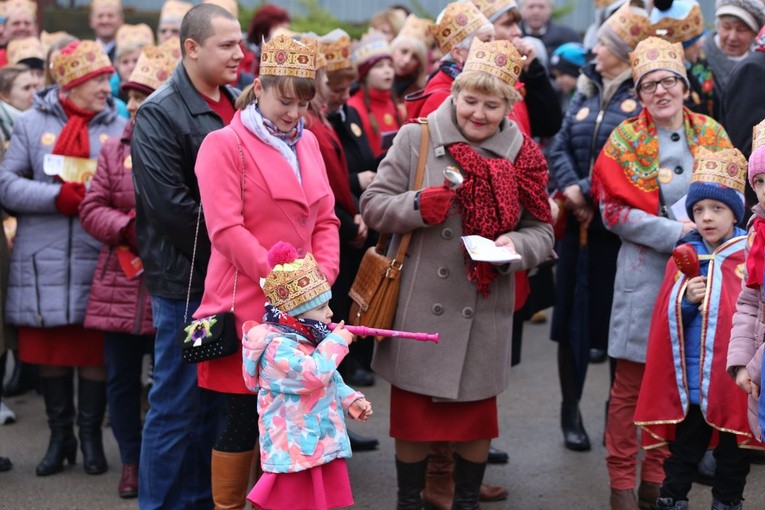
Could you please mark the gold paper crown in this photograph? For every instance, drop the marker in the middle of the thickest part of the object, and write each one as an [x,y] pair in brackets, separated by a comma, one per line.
[173,11]
[458,21]
[417,28]
[656,53]
[600,4]
[726,167]
[758,136]
[336,48]
[311,38]
[20,6]
[284,56]
[21,49]
[498,58]
[154,66]
[681,30]
[491,7]
[105,3]
[290,286]
[136,36]
[631,26]
[231,6]
[372,46]
[79,62]
[173,47]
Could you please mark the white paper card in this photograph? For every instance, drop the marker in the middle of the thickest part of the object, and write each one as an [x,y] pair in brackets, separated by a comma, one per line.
[482,249]
[678,210]
[69,168]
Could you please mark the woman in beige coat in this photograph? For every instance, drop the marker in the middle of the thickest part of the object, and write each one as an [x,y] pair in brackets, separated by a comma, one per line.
[447,391]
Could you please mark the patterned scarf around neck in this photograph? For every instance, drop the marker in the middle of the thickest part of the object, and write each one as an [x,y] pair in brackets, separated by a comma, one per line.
[312,330]
[451,68]
[760,41]
[284,143]
[74,139]
[490,200]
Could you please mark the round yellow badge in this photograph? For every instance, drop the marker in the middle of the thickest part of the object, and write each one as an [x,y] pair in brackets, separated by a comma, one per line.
[102,138]
[128,162]
[388,119]
[750,238]
[583,113]
[740,270]
[628,105]
[665,175]
[355,129]
[47,138]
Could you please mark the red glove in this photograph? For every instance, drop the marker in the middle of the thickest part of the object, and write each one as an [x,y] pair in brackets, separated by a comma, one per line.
[128,233]
[435,203]
[69,198]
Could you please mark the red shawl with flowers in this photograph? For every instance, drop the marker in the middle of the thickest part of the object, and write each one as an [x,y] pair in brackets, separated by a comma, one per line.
[626,171]
[663,399]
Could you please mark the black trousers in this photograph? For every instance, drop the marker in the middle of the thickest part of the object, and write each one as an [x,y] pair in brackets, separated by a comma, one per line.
[691,441]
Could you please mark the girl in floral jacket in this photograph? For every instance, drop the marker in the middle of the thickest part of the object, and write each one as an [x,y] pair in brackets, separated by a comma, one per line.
[291,361]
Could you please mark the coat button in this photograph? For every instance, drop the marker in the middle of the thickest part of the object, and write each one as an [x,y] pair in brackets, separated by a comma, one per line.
[675,137]
[447,233]
[678,169]
[304,221]
[467,312]
[438,309]
[443,272]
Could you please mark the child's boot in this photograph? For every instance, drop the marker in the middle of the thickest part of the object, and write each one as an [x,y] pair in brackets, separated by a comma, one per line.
[719,505]
[411,481]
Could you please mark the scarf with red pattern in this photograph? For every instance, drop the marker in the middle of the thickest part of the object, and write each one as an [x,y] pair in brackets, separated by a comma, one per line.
[755,261]
[74,139]
[312,330]
[494,192]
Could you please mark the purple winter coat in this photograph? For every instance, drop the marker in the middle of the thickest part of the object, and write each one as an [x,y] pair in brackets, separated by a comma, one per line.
[116,303]
[747,335]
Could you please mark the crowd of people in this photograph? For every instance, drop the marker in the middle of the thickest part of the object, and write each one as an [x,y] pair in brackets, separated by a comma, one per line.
[149,178]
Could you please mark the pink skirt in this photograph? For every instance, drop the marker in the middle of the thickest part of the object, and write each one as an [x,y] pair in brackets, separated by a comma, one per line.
[319,488]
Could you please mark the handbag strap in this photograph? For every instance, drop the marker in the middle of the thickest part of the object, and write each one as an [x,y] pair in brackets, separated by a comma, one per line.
[398,261]
[196,237]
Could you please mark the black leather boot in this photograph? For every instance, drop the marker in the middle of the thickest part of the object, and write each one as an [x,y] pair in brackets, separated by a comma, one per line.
[58,393]
[411,481]
[23,378]
[574,434]
[468,477]
[91,406]
[361,443]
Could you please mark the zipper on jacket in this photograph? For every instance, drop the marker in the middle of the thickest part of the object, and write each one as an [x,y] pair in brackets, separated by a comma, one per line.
[69,271]
[106,262]
[40,322]
[139,315]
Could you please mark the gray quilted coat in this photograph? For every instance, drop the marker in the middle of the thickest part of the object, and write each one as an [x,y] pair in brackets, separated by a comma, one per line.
[53,257]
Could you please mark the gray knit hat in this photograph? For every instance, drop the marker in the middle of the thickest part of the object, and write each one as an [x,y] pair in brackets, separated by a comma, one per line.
[751,12]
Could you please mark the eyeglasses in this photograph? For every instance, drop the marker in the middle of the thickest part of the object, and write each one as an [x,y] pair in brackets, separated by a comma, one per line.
[649,87]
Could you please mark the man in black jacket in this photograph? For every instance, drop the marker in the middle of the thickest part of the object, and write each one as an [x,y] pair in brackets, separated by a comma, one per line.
[183,420]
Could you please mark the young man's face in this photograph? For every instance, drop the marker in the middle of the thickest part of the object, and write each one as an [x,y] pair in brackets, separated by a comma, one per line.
[217,58]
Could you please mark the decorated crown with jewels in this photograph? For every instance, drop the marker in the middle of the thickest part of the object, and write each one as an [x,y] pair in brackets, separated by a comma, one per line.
[284,56]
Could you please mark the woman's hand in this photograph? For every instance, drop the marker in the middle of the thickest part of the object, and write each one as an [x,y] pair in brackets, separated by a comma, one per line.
[554,209]
[361,233]
[526,49]
[688,226]
[744,381]
[343,333]
[365,178]
[575,199]
[360,409]
[504,240]
[584,215]
[696,289]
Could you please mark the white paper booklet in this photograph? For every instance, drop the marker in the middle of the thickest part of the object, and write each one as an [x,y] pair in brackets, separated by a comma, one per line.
[484,250]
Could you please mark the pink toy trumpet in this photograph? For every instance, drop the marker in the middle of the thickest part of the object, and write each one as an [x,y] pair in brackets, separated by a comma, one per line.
[365,331]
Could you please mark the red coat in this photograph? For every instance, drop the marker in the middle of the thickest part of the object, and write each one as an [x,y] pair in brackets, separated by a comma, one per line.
[386,113]
[277,208]
[116,303]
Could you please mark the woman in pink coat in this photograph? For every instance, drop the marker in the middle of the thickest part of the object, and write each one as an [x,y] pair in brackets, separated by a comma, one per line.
[286,197]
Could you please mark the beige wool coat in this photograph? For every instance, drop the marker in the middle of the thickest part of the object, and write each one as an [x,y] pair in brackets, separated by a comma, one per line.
[472,360]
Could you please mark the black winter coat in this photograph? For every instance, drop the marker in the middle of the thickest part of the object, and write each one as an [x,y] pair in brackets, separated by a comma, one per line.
[169,128]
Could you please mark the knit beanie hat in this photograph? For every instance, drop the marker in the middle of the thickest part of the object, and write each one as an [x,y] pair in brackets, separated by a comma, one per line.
[294,285]
[718,176]
[568,58]
[371,49]
[678,21]
[624,30]
[751,12]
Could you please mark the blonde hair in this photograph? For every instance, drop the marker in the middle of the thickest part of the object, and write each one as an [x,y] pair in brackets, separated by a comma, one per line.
[485,83]
[420,51]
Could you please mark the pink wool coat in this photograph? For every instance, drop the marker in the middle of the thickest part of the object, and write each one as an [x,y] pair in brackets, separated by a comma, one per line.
[276,208]
[746,338]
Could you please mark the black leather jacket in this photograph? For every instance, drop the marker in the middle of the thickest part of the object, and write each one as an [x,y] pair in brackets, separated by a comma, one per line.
[169,128]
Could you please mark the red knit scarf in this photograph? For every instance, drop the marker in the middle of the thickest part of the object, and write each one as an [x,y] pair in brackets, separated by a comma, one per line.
[492,195]
[74,139]
[755,261]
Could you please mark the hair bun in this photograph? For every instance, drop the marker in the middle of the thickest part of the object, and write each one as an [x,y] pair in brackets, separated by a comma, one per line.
[281,253]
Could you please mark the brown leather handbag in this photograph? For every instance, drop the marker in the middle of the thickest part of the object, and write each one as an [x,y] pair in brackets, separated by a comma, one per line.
[375,289]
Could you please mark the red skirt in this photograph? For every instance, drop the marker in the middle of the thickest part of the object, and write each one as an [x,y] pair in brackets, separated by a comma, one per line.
[319,488]
[415,417]
[70,346]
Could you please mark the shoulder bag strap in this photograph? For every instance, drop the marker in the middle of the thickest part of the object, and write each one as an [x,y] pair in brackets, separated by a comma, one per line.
[196,237]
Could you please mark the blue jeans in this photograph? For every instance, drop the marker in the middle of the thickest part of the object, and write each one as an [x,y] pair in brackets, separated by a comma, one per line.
[124,353]
[181,426]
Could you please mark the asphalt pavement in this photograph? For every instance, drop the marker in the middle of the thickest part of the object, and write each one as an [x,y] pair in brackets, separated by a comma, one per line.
[541,474]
